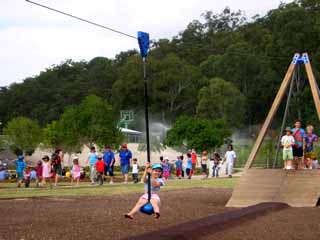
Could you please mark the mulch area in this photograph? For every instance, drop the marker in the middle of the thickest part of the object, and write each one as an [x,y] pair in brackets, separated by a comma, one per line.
[102,217]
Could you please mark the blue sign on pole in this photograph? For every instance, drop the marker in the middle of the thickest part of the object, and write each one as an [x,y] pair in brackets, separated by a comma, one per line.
[143,40]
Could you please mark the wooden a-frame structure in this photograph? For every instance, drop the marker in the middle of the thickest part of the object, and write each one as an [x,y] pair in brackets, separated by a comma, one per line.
[296,188]
[281,93]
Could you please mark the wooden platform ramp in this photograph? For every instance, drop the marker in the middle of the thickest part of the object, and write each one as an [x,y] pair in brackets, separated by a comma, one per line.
[295,188]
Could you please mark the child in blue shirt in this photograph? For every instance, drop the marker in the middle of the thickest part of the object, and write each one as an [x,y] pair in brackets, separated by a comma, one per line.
[166,168]
[189,165]
[92,160]
[178,168]
[156,183]
[20,166]
[309,153]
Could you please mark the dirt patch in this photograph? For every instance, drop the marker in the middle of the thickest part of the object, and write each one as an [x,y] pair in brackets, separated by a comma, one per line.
[213,224]
[102,218]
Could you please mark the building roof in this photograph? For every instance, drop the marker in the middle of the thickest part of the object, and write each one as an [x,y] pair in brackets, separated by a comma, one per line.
[130,131]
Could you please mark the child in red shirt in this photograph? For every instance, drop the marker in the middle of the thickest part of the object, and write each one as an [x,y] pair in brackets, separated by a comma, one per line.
[100,170]
[27,177]
[39,173]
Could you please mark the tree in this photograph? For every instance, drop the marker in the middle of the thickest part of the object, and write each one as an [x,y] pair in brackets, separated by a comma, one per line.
[97,123]
[222,100]
[89,123]
[225,21]
[24,135]
[200,134]
[63,133]
[174,87]
[127,90]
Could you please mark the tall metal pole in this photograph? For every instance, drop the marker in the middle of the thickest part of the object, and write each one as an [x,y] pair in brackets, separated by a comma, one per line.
[146,108]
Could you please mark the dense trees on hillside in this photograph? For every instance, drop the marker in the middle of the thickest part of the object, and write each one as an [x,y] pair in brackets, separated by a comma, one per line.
[252,55]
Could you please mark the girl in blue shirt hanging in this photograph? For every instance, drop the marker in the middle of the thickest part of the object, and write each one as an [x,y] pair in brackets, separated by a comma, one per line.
[156,183]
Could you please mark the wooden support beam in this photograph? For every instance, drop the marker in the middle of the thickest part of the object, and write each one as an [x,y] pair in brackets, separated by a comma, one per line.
[272,112]
[313,84]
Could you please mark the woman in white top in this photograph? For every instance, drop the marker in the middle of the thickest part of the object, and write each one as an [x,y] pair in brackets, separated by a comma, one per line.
[230,157]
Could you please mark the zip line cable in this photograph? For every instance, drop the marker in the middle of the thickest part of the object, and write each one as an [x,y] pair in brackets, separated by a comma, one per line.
[82,19]
[131,36]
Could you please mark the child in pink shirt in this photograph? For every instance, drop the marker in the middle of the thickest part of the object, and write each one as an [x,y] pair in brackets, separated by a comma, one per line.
[76,171]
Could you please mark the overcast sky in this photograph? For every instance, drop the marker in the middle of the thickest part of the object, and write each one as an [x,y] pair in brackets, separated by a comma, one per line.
[33,38]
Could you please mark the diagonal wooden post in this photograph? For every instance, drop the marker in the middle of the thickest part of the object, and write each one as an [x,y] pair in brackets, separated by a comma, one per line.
[272,112]
[313,83]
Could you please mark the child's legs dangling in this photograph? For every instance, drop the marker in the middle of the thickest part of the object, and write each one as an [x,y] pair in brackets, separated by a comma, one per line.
[155,205]
[138,205]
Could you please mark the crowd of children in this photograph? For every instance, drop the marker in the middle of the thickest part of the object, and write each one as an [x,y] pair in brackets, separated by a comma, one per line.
[181,167]
[49,169]
[298,150]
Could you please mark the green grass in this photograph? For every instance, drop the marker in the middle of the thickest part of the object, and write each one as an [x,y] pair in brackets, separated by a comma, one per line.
[9,190]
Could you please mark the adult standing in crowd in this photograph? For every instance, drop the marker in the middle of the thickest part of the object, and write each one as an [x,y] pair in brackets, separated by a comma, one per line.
[125,156]
[194,161]
[92,160]
[56,159]
[183,166]
[230,157]
[210,166]
[298,148]
[189,166]
[204,164]
[109,160]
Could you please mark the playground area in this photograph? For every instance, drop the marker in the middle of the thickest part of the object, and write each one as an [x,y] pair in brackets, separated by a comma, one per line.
[86,145]
[62,215]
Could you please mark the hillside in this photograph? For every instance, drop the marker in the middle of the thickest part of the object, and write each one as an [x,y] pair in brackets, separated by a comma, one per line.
[251,54]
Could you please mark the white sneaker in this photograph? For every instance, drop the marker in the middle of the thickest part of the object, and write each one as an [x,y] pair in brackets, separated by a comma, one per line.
[111,182]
